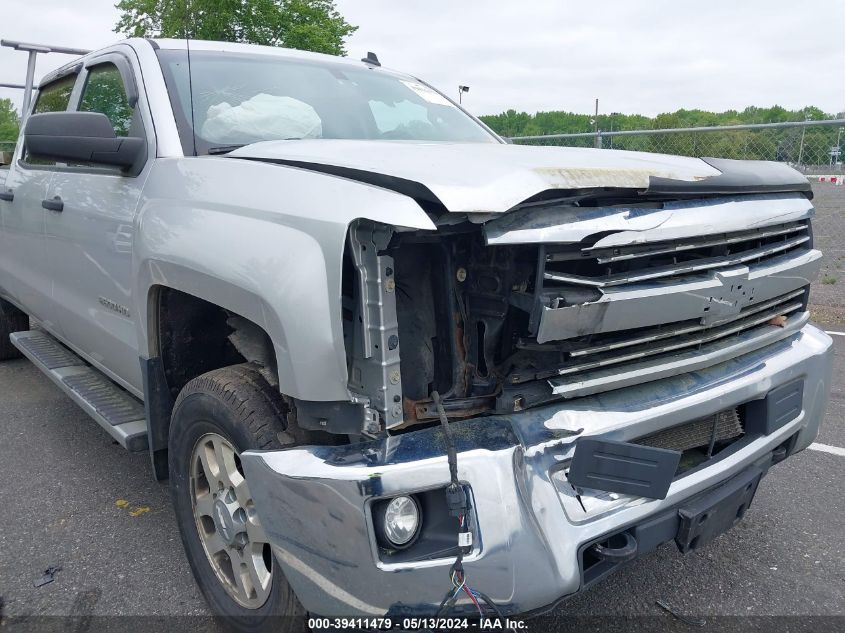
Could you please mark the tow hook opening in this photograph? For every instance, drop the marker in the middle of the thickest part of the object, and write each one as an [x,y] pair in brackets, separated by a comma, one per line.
[619,548]
[600,557]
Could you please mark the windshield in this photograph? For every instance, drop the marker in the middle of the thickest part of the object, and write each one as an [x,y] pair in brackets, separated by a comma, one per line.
[243,98]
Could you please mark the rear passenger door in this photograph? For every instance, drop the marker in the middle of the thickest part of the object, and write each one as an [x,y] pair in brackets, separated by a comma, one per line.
[25,273]
[90,241]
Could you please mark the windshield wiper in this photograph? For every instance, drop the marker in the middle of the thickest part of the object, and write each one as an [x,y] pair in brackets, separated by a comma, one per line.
[224,149]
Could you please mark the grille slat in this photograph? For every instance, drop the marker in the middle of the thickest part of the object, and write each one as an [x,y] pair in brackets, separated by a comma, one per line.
[676,270]
[649,250]
[700,340]
[662,333]
[607,266]
[638,345]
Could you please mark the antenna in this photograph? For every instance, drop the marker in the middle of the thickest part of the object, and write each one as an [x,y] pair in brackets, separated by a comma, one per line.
[188,16]
[371,59]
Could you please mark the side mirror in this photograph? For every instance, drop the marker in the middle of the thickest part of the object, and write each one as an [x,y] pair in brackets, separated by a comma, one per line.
[80,137]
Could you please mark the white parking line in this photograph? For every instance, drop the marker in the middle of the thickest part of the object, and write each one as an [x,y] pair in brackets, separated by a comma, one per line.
[824,448]
[835,333]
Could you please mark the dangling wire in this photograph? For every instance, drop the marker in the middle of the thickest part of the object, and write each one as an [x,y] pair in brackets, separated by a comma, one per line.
[458,504]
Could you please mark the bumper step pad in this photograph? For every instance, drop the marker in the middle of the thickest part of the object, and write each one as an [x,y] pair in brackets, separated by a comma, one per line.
[119,413]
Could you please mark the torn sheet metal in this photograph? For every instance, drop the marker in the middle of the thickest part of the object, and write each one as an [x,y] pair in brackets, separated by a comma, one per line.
[478,177]
[626,225]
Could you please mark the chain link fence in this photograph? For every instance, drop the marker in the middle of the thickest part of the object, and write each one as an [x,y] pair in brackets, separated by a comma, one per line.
[812,146]
[828,292]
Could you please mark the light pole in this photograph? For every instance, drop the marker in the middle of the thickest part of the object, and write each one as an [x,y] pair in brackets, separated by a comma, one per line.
[461,91]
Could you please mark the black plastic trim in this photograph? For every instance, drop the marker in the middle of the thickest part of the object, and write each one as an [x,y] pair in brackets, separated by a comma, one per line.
[651,532]
[706,516]
[158,405]
[623,467]
[60,73]
[737,177]
[779,407]
[371,59]
[615,552]
[86,137]
[409,188]
[340,417]
[54,204]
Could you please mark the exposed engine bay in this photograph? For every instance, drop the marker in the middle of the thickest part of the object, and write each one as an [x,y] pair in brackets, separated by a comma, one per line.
[498,327]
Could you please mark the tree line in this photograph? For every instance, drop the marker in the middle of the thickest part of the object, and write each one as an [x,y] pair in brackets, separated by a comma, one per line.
[810,146]
[513,123]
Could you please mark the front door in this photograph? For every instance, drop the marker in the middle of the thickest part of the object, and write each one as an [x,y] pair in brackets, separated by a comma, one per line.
[89,242]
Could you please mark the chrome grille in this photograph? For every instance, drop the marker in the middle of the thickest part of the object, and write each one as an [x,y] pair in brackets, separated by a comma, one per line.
[601,267]
[619,348]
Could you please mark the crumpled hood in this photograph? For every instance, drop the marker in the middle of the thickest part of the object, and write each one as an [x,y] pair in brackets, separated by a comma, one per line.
[493,177]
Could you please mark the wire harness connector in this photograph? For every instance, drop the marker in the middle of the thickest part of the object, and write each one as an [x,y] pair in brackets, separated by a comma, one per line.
[458,504]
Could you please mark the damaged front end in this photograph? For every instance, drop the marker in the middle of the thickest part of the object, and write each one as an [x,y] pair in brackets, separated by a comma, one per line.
[620,368]
[558,301]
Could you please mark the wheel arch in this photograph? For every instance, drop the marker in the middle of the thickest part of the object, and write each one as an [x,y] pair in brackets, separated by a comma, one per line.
[188,333]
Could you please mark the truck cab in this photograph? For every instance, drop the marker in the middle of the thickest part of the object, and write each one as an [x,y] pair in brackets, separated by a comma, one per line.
[391,365]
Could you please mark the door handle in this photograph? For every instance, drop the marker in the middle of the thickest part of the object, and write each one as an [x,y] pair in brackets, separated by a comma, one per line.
[55,204]
[7,195]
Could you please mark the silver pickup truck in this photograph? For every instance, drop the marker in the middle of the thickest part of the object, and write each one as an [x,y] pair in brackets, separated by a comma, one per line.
[392,365]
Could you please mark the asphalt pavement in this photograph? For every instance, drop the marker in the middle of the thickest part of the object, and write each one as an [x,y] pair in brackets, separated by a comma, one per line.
[70,497]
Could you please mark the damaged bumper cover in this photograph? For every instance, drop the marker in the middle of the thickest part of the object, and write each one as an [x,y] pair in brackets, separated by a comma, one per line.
[530,530]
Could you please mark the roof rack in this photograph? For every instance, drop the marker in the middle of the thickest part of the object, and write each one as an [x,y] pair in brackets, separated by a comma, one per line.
[33,50]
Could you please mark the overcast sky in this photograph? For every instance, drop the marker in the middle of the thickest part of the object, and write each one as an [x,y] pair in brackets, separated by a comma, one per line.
[636,56]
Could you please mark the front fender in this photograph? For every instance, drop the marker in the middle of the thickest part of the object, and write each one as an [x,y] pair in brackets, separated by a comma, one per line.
[266,242]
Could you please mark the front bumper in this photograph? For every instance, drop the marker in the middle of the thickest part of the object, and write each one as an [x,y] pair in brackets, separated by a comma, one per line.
[313,501]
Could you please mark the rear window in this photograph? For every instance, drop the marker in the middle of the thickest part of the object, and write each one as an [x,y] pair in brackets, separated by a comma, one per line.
[55,97]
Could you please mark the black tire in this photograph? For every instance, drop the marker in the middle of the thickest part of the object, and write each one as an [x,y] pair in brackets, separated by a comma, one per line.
[237,403]
[11,320]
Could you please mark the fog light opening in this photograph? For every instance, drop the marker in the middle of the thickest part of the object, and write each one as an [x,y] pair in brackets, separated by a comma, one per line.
[401,522]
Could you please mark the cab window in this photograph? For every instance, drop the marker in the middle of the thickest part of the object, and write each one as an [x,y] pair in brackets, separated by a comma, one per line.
[105,93]
[55,97]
